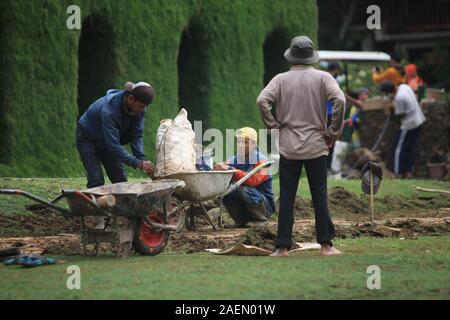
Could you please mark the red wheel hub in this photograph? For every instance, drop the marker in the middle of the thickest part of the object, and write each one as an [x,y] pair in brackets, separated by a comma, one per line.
[150,236]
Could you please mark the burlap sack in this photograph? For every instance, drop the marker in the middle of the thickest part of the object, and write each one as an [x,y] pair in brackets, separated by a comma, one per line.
[175,146]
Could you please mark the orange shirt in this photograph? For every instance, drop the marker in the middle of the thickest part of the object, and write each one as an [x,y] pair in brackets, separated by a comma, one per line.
[391,74]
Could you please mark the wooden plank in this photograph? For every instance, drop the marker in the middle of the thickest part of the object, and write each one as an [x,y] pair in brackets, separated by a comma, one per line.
[375,104]
[447,192]
[388,231]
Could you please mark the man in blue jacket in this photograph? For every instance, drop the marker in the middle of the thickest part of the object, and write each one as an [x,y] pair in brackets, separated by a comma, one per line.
[107,125]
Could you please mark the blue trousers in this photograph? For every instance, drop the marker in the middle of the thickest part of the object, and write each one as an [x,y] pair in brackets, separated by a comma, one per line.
[93,158]
[244,198]
[404,152]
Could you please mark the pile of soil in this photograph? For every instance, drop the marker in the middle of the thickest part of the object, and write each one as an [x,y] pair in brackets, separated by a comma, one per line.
[350,202]
[39,222]
[430,226]
[345,203]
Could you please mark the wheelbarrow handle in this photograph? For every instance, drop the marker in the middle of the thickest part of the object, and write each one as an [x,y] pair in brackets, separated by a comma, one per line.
[33,197]
[86,199]
[250,174]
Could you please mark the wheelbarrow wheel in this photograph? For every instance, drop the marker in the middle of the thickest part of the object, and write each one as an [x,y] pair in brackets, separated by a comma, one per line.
[178,217]
[147,240]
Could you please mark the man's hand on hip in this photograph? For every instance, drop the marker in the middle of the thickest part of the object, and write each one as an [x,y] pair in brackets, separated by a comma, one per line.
[329,142]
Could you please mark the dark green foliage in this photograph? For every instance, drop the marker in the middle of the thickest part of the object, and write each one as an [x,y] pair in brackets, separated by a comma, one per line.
[274,47]
[96,56]
[42,80]
[193,64]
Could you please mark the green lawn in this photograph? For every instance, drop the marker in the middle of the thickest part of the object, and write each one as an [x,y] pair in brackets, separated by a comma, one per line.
[410,269]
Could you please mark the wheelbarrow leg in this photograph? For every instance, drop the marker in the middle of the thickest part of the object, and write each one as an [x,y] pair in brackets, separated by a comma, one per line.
[192,220]
[220,223]
[126,238]
[83,235]
[116,242]
[206,215]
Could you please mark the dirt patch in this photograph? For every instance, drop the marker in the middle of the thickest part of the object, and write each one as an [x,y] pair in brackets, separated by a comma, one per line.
[304,231]
[343,203]
[263,237]
[430,226]
[40,222]
[67,244]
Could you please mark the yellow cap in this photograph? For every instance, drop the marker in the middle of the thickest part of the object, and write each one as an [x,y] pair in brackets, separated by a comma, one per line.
[247,132]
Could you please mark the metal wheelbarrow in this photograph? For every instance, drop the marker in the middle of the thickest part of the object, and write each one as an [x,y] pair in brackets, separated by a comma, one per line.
[201,186]
[144,204]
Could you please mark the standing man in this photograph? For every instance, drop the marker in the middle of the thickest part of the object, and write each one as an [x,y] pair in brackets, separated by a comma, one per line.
[109,123]
[300,97]
[405,104]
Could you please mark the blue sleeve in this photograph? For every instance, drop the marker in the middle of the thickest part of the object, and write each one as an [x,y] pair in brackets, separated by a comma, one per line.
[111,134]
[329,108]
[137,140]
[355,118]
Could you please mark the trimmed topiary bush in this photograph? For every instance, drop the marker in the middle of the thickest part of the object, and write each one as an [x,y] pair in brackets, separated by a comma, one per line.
[207,56]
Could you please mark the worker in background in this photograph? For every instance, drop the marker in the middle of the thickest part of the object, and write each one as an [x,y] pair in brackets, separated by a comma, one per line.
[253,202]
[406,105]
[413,80]
[353,121]
[334,69]
[395,73]
[305,138]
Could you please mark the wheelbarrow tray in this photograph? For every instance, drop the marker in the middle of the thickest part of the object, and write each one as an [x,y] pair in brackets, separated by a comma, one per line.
[202,185]
[132,199]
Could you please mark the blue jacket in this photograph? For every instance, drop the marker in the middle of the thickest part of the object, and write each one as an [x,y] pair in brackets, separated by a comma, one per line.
[262,180]
[111,128]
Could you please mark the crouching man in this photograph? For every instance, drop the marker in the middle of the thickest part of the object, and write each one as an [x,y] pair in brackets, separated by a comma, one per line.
[252,203]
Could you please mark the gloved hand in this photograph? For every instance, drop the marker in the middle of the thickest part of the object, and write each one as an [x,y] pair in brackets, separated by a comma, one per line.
[221,166]
[147,166]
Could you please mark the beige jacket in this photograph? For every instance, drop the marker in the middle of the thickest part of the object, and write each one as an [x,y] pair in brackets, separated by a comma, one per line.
[300,96]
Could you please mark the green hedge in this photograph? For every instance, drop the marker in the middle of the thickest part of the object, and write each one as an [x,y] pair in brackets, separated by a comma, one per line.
[44,82]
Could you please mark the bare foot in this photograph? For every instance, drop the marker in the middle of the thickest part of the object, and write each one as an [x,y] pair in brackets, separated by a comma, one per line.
[327,251]
[281,252]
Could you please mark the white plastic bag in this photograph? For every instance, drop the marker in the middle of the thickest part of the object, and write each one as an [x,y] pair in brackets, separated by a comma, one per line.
[340,151]
[175,146]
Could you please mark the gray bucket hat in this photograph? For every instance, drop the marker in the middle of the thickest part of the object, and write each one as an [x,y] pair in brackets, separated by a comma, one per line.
[301,51]
[377,176]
